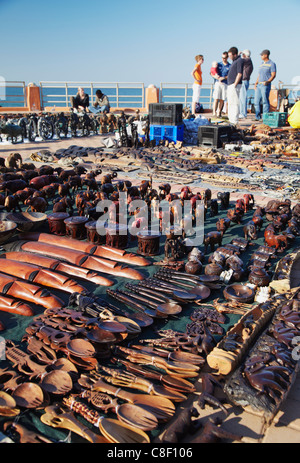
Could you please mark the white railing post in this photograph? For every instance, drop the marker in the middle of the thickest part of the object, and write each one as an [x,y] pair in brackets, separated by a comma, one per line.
[92,91]
[117,94]
[67,95]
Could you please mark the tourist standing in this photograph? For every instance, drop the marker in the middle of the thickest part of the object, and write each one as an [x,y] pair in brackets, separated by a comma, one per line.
[220,86]
[197,75]
[234,84]
[266,75]
[248,69]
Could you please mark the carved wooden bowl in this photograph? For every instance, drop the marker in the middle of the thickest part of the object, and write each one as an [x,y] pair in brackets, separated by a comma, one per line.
[239,293]
[7,230]
[28,221]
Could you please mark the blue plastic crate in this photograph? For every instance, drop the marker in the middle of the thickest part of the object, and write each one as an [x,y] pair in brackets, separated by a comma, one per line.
[166,132]
[275,119]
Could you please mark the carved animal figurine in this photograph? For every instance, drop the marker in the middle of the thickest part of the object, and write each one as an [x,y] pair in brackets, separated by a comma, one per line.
[108,178]
[207,394]
[259,211]
[11,203]
[36,204]
[64,204]
[211,239]
[223,225]
[280,242]
[164,189]
[214,208]
[12,186]
[240,205]
[235,215]
[250,231]
[144,187]
[12,131]
[13,161]
[224,198]
[249,201]
[90,183]
[212,433]
[258,221]
[179,428]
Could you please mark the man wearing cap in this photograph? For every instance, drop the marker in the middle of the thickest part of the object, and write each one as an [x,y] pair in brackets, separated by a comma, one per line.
[266,74]
[234,84]
[248,69]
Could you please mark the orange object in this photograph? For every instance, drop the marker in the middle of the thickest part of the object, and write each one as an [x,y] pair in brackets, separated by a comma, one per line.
[273,99]
[151,95]
[198,74]
[33,97]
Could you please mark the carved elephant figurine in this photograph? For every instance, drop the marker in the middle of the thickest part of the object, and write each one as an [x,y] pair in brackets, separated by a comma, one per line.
[11,203]
[250,231]
[211,239]
[36,204]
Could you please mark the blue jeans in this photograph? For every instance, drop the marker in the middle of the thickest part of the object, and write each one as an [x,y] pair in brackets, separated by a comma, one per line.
[99,109]
[243,98]
[262,94]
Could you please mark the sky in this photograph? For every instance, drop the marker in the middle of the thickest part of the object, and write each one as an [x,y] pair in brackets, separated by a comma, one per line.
[138,41]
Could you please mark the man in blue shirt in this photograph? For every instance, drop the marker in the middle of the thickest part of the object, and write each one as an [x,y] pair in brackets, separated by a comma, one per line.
[266,74]
[220,87]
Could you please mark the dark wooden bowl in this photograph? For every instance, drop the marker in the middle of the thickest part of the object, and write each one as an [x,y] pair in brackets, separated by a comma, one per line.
[239,293]
[7,230]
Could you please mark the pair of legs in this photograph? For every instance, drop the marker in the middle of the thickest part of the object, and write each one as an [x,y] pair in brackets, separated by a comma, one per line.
[219,97]
[196,97]
[243,99]
[99,109]
[233,98]
[262,94]
[218,107]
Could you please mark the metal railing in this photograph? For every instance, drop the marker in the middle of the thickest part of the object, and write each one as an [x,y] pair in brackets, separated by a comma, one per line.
[174,92]
[120,94]
[294,91]
[12,93]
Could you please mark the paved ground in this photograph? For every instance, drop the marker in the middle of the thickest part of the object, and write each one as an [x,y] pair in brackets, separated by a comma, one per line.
[286,425]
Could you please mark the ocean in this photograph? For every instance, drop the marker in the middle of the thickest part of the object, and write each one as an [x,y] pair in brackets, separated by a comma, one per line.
[126,95]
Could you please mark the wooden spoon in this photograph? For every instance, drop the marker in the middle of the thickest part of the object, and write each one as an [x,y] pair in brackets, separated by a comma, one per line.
[57,382]
[8,405]
[170,382]
[69,422]
[122,433]
[28,395]
[161,407]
